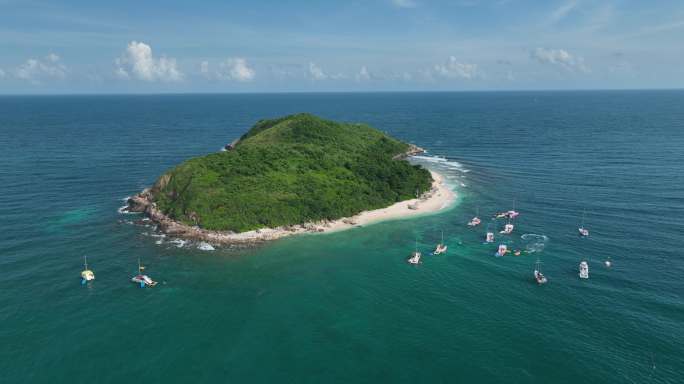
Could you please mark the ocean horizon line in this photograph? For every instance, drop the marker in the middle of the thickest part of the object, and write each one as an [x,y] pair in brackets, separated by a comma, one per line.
[343,92]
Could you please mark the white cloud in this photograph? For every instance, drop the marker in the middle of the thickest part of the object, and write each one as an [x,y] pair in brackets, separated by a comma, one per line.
[204,68]
[561,12]
[559,57]
[36,71]
[404,3]
[235,69]
[363,74]
[454,69]
[138,61]
[316,72]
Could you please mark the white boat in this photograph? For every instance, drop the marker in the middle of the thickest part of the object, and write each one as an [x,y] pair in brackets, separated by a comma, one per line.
[475,221]
[538,275]
[86,275]
[583,270]
[441,247]
[503,249]
[583,231]
[608,263]
[415,255]
[142,279]
[508,228]
[490,237]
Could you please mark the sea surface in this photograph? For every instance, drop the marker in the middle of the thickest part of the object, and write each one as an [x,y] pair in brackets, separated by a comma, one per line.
[346,307]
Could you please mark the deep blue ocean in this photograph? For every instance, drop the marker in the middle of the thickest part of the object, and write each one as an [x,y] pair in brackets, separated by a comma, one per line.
[346,307]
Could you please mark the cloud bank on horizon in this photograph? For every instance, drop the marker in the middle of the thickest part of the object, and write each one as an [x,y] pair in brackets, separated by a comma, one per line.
[383,45]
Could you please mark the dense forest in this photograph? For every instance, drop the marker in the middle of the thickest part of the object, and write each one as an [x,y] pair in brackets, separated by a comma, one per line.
[291,170]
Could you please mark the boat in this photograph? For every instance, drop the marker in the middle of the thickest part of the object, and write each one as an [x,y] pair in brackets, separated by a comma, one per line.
[490,237]
[512,214]
[142,279]
[538,275]
[583,270]
[441,247]
[475,221]
[583,231]
[415,255]
[508,228]
[503,249]
[608,263]
[86,275]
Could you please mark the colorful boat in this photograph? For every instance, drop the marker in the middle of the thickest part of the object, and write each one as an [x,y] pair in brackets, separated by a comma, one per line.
[142,279]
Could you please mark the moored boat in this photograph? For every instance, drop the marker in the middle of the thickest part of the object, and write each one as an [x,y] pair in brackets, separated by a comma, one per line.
[143,279]
[475,221]
[441,247]
[538,275]
[508,228]
[415,255]
[584,232]
[502,250]
[86,275]
[583,270]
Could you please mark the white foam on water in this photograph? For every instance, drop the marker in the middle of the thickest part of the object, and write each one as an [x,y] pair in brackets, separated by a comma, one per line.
[178,242]
[205,246]
[534,242]
[442,161]
[159,242]
[122,210]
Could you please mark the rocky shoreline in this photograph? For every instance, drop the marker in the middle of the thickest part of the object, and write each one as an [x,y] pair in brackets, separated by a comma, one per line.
[143,203]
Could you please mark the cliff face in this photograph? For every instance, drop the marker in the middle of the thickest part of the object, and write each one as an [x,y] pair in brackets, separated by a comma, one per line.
[284,172]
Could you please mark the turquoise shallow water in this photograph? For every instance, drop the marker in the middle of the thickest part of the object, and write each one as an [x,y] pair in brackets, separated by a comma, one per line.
[346,307]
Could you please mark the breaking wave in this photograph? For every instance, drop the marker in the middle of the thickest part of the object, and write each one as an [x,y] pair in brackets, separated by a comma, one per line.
[443,161]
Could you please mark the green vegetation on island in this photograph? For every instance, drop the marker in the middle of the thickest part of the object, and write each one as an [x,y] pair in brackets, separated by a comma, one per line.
[291,170]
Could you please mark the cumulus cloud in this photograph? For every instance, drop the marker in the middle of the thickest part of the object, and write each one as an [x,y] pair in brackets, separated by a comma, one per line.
[404,3]
[363,74]
[138,62]
[36,71]
[559,57]
[236,69]
[316,72]
[453,69]
[231,69]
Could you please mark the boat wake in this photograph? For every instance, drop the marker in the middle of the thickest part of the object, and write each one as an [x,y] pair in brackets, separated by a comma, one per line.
[534,243]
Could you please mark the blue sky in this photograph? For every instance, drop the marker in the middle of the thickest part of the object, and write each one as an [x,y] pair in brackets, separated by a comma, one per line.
[372,45]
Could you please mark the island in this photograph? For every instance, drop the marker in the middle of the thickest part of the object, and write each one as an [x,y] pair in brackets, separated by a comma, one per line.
[290,175]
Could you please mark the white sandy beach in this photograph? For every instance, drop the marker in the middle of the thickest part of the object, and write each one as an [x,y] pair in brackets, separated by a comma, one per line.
[438,198]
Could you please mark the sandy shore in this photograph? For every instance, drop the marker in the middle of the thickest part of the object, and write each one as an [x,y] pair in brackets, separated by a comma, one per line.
[438,198]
